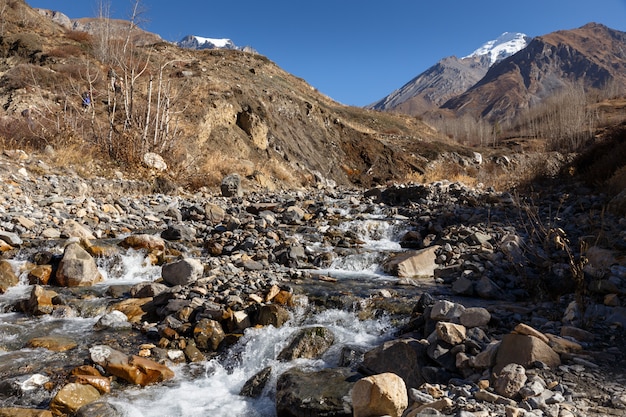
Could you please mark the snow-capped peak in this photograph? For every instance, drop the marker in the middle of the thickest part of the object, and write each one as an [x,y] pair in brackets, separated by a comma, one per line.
[504,46]
[200,42]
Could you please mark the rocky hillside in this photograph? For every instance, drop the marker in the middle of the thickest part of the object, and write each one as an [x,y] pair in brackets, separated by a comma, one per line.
[450,77]
[591,55]
[206,113]
[447,79]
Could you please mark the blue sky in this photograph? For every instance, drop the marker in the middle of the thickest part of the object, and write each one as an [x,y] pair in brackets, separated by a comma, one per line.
[356,51]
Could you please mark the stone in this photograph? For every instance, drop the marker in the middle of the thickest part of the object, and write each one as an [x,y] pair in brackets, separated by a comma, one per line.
[208,334]
[154,161]
[321,393]
[54,343]
[214,213]
[431,408]
[272,315]
[510,380]
[524,350]
[420,263]
[193,354]
[475,317]
[446,311]
[403,357]
[40,275]
[133,308]
[10,238]
[577,333]
[133,369]
[8,277]
[113,320]
[100,408]
[72,397]
[40,301]
[451,333]
[253,387]
[486,358]
[488,289]
[529,331]
[561,345]
[231,186]
[182,272]
[71,228]
[309,343]
[378,395]
[77,268]
[149,243]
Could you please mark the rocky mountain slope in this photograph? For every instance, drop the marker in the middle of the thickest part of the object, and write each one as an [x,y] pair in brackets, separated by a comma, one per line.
[592,55]
[207,113]
[450,77]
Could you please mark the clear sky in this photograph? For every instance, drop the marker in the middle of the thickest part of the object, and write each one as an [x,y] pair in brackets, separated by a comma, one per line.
[356,51]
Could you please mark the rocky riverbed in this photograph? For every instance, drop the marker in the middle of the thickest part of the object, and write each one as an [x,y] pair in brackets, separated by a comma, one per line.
[403,300]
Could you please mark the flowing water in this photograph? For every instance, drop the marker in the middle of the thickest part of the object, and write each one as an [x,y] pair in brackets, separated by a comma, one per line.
[212,388]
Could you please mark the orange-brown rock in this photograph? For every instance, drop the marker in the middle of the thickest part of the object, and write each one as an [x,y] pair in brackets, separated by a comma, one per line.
[54,343]
[40,275]
[8,277]
[133,369]
[132,307]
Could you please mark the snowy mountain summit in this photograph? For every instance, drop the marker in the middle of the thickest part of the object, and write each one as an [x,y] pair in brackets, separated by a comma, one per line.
[504,46]
[199,42]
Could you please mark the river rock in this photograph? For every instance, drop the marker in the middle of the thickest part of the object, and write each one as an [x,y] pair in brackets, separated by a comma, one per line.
[71,397]
[40,301]
[133,369]
[99,408]
[40,275]
[446,311]
[208,334]
[53,342]
[524,350]
[410,264]
[182,272]
[310,343]
[254,386]
[77,268]
[133,308]
[510,380]
[150,243]
[451,333]
[113,320]
[322,393]
[272,315]
[214,213]
[10,238]
[8,277]
[475,317]
[378,395]
[71,228]
[403,357]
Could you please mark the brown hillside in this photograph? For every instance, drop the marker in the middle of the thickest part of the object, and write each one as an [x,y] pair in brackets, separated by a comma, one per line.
[591,55]
[207,113]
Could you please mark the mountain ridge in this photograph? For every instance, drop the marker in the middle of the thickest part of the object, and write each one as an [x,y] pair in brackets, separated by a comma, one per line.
[449,77]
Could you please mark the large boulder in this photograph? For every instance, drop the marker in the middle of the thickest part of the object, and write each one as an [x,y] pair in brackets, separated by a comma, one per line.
[322,393]
[380,395]
[77,268]
[410,264]
[403,357]
[133,369]
[310,343]
[524,350]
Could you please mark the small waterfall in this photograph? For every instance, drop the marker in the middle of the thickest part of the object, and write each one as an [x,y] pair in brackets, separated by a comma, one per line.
[215,391]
